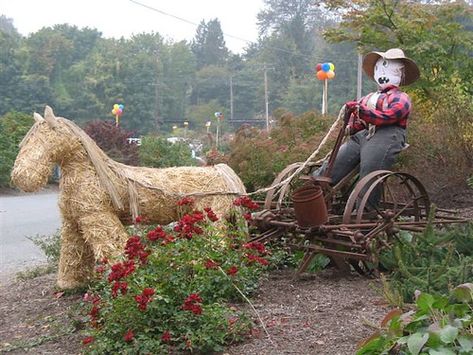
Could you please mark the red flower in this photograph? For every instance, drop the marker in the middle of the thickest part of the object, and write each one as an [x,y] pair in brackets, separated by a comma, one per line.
[144,298]
[134,249]
[187,226]
[118,285]
[128,336]
[120,270]
[100,269]
[88,340]
[247,216]
[148,291]
[210,264]
[166,337]
[254,258]
[185,201]
[232,270]
[258,246]
[138,219]
[94,312]
[192,303]
[211,214]
[194,297]
[247,202]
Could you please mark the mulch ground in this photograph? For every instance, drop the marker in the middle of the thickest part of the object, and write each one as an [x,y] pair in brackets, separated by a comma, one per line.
[324,313]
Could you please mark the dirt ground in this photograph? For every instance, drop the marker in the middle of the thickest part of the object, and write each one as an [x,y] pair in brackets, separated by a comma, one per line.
[322,314]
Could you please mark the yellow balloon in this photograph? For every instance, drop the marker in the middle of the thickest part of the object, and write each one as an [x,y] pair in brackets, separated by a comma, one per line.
[332,67]
[115,106]
[330,75]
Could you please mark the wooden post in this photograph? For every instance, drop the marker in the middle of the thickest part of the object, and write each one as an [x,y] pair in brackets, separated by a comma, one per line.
[325,98]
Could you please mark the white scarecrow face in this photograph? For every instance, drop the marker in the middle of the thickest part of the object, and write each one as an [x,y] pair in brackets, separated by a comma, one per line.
[388,72]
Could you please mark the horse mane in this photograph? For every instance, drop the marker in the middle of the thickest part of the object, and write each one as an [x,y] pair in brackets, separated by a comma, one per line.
[107,169]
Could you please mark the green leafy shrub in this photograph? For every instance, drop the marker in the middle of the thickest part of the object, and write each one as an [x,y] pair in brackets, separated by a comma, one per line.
[13,127]
[50,245]
[439,325]
[434,261]
[157,152]
[171,292]
[113,141]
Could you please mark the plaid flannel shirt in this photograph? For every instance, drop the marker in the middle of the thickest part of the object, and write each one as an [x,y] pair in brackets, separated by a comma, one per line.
[392,108]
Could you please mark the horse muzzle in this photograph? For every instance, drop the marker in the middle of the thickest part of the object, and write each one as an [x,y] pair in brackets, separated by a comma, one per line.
[30,179]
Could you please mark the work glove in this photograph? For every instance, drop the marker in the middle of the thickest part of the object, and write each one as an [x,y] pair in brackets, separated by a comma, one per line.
[355,124]
[352,105]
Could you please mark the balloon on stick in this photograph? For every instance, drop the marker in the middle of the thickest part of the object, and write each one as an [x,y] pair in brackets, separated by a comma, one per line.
[325,72]
[117,111]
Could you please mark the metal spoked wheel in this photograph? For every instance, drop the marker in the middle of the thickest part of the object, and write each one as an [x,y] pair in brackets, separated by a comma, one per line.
[401,194]
[403,202]
[281,198]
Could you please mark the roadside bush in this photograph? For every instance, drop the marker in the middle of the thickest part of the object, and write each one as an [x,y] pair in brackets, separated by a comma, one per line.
[439,325]
[171,291]
[157,152]
[13,127]
[50,245]
[113,141]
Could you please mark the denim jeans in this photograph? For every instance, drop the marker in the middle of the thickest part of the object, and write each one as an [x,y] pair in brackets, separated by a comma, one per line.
[378,152]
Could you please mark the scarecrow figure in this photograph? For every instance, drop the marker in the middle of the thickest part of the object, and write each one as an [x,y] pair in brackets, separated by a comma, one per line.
[378,122]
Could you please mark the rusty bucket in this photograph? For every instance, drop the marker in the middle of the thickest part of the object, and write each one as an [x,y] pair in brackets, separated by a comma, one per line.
[309,206]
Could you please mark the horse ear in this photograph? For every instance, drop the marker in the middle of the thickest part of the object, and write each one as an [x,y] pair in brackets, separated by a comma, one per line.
[37,117]
[49,116]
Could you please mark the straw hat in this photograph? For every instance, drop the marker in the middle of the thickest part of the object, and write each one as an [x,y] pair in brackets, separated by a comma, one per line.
[411,71]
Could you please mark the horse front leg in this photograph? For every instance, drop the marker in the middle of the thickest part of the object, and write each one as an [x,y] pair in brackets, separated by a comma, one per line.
[104,232]
[76,261]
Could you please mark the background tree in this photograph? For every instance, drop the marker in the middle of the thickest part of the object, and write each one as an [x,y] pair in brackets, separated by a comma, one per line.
[13,127]
[208,45]
[113,141]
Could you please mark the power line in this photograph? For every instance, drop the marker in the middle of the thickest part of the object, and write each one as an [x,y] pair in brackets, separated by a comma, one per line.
[185,20]
[309,58]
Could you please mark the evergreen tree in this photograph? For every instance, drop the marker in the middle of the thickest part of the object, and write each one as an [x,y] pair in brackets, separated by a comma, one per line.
[208,45]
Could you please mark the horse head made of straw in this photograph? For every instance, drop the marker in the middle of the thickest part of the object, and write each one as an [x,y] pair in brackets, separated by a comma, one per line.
[99,196]
[42,147]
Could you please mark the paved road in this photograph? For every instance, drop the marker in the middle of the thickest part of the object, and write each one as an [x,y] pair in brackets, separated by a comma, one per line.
[22,216]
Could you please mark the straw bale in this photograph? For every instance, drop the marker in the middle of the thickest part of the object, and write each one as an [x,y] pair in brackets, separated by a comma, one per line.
[98,196]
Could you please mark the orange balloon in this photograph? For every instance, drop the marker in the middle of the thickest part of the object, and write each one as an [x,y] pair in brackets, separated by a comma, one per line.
[321,75]
[330,74]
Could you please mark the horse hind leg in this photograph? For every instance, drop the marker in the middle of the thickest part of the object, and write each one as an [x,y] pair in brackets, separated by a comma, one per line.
[104,232]
[76,261]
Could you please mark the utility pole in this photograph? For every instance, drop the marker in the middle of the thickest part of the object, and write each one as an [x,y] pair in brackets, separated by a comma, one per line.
[359,77]
[231,98]
[266,100]
[157,118]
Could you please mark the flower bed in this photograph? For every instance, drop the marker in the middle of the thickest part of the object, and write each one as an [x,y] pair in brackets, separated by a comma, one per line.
[171,291]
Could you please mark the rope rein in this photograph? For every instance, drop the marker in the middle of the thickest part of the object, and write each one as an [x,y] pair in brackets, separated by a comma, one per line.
[286,181]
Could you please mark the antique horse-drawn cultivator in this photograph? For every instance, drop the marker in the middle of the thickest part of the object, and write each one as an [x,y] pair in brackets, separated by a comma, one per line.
[310,214]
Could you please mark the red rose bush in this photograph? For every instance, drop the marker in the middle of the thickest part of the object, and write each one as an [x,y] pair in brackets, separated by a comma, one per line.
[171,290]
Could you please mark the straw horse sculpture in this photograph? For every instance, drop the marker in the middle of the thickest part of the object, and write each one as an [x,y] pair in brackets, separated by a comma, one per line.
[98,195]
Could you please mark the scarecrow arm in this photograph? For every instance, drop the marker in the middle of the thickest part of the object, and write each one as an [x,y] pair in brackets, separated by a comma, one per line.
[399,107]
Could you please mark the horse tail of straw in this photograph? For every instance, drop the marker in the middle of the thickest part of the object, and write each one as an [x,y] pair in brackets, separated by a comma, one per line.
[233,182]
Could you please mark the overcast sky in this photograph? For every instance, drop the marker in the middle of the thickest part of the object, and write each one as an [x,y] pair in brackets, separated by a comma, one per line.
[116,18]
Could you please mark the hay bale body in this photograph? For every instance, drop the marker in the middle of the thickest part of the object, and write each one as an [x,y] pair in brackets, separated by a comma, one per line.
[98,196]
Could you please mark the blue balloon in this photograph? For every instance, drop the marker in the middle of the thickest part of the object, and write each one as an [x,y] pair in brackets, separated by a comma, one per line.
[121,106]
[326,67]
